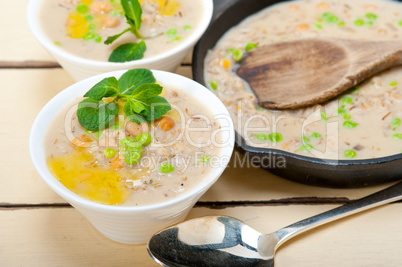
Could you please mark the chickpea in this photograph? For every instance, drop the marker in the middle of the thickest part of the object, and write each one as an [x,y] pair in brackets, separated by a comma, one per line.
[100,7]
[135,129]
[110,22]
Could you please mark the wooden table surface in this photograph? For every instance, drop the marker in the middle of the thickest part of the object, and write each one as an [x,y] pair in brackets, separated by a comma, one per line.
[38,228]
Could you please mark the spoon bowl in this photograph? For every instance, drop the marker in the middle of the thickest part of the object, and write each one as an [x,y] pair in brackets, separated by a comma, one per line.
[208,241]
[226,241]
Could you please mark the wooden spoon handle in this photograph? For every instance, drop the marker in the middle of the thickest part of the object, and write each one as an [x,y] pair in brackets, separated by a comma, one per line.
[298,73]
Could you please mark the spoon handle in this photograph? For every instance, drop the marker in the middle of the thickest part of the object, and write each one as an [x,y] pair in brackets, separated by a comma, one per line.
[387,195]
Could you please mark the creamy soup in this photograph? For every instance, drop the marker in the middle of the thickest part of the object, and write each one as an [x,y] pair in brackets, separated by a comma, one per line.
[176,152]
[362,123]
[81,26]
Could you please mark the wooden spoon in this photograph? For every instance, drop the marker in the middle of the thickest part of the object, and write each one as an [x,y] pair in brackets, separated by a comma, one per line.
[299,73]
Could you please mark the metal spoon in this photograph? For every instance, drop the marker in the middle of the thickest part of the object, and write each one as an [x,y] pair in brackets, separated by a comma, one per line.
[226,241]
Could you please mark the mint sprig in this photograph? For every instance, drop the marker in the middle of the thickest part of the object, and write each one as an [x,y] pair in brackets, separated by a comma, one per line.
[130,51]
[137,88]
[132,11]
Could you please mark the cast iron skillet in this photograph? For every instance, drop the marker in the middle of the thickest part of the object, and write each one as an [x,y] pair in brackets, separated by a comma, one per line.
[302,169]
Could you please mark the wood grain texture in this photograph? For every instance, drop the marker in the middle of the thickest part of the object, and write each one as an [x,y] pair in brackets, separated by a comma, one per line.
[38,228]
[63,237]
[299,73]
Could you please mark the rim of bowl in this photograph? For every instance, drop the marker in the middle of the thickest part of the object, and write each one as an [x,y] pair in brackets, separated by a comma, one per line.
[33,17]
[197,74]
[66,96]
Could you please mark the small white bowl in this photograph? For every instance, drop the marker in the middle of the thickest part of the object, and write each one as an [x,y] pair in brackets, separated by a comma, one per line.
[131,225]
[80,68]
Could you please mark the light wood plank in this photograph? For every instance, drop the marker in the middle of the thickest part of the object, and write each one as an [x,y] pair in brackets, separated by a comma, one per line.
[17,41]
[63,237]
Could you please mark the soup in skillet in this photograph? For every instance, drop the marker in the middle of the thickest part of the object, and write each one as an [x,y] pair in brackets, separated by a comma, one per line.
[363,123]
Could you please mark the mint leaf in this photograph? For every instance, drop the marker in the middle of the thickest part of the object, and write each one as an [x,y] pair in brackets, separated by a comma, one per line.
[134,78]
[134,106]
[155,108]
[95,115]
[136,87]
[108,87]
[113,38]
[128,52]
[132,110]
[146,91]
[132,10]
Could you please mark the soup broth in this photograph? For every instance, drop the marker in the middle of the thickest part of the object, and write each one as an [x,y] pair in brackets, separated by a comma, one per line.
[82,26]
[362,123]
[183,144]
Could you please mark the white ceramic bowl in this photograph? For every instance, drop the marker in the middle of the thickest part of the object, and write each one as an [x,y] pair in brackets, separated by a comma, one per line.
[80,68]
[131,225]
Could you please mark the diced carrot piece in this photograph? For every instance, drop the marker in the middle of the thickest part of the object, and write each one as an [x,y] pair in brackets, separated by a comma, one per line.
[116,163]
[294,7]
[82,141]
[397,96]
[370,7]
[302,27]
[166,123]
[322,6]
[225,63]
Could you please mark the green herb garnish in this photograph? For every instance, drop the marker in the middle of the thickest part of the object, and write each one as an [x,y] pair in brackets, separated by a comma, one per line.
[329,17]
[315,135]
[171,32]
[397,136]
[359,22]
[205,159]
[275,137]
[341,111]
[109,152]
[393,83]
[237,54]
[130,51]
[347,116]
[349,153]
[82,8]
[213,85]
[132,12]
[250,46]
[306,147]
[324,116]
[341,23]
[318,26]
[137,88]
[166,167]
[395,123]
[346,100]
[349,124]
[261,136]
[371,16]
